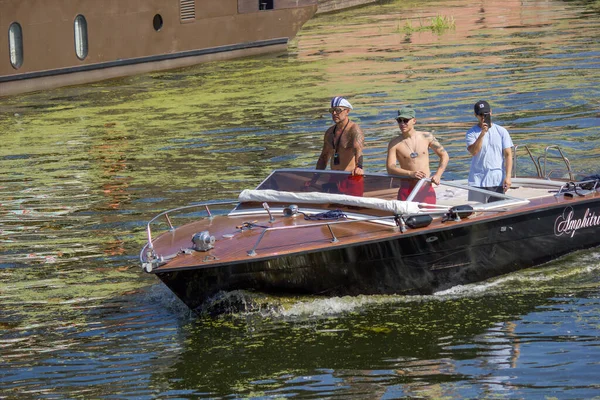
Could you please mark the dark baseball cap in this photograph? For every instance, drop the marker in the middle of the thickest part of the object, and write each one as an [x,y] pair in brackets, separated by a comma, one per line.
[481,107]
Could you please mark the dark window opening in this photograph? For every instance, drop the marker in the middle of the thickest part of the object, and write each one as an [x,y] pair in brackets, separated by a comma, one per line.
[81,38]
[157,22]
[15,45]
[265,4]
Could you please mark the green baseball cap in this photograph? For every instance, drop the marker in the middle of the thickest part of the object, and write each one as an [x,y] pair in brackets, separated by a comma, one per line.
[405,113]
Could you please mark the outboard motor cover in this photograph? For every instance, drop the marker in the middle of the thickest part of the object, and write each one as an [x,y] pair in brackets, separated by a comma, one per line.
[203,241]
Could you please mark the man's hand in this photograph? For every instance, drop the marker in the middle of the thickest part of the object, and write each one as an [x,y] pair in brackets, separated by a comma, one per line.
[312,182]
[358,171]
[507,183]
[436,179]
[418,174]
[484,128]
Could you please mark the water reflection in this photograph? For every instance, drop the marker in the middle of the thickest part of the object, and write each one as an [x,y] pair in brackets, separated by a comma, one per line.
[392,349]
[85,167]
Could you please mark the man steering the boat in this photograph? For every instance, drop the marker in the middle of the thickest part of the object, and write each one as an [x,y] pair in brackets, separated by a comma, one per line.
[343,142]
[491,147]
[411,151]
[343,145]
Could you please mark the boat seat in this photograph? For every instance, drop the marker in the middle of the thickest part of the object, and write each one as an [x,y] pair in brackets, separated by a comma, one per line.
[385,194]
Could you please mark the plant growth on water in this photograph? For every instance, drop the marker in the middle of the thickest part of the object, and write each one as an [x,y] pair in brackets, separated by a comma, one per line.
[438,24]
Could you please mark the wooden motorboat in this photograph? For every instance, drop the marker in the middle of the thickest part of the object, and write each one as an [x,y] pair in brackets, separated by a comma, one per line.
[62,42]
[328,233]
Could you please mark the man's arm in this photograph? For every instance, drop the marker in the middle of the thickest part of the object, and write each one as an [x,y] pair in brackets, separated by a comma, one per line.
[325,153]
[444,158]
[358,145]
[390,164]
[507,168]
[323,158]
[476,146]
[322,161]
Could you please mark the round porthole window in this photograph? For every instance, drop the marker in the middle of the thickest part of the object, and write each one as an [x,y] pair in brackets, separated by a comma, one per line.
[157,22]
[15,45]
[81,38]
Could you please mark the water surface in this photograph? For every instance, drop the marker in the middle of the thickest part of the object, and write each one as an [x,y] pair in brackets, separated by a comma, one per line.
[83,169]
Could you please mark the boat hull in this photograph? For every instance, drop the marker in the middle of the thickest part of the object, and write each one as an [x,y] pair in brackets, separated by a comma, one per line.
[116,39]
[414,262]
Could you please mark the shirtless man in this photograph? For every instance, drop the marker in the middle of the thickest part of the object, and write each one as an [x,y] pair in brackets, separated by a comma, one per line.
[411,151]
[343,142]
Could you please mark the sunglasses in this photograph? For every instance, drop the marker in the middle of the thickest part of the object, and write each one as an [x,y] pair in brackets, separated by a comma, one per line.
[336,110]
[403,120]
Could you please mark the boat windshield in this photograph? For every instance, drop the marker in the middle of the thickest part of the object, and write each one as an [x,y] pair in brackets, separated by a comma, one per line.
[337,182]
[381,186]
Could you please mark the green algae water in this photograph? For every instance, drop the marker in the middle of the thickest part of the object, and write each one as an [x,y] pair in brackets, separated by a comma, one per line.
[83,168]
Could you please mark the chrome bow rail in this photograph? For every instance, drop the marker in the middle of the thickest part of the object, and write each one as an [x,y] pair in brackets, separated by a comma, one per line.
[148,249]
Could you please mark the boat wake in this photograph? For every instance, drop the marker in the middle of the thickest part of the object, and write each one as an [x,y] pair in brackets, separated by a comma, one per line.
[574,272]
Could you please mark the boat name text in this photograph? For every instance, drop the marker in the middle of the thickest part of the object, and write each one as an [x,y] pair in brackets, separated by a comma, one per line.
[568,225]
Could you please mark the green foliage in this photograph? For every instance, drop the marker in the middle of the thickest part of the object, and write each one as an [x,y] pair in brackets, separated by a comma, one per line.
[438,24]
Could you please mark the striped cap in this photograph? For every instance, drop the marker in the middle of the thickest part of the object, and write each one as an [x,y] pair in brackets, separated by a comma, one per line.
[340,102]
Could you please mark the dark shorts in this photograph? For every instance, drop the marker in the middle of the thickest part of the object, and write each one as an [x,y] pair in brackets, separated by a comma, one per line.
[485,198]
[425,195]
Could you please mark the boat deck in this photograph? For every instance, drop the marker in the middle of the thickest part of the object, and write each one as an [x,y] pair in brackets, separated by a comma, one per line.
[452,196]
[259,227]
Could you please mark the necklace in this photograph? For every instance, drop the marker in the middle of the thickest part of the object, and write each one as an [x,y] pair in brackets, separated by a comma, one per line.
[336,156]
[413,153]
[335,146]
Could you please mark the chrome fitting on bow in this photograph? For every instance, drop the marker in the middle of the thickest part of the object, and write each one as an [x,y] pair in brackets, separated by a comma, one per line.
[203,241]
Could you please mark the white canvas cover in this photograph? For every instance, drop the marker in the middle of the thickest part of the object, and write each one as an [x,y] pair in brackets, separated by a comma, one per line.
[392,206]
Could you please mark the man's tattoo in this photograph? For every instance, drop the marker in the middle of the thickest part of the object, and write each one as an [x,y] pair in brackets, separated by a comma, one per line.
[436,145]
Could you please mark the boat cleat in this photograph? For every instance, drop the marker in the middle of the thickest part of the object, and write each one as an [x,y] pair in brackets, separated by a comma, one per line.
[250,225]
[209,258]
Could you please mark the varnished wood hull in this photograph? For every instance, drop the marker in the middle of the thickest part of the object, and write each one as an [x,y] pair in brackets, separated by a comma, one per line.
[376,259]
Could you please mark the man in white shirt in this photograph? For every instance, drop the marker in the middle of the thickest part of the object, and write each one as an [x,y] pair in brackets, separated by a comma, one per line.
[491,148]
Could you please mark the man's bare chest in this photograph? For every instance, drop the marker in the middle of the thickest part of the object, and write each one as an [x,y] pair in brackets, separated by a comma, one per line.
[341,139]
